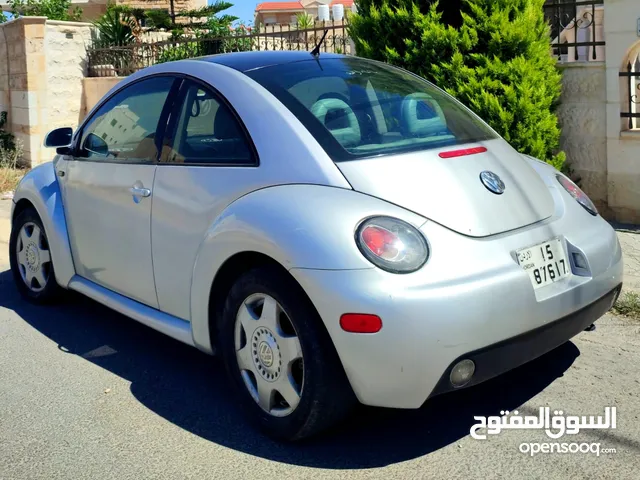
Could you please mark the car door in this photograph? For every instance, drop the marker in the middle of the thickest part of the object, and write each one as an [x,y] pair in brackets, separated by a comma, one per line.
[208,161]
[107,188]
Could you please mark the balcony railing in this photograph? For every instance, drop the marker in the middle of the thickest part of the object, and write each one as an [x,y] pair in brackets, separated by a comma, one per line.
[123,60]
[577,29]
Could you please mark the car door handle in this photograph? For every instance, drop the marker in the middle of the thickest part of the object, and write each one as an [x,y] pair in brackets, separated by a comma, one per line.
[140,192]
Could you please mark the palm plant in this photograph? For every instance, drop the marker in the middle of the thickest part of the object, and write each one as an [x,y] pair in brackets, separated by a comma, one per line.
[304,21]
[113,28]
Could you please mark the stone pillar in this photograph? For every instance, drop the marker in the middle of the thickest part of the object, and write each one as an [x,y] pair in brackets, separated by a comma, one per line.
[27,84]
[5,97]
[582,115]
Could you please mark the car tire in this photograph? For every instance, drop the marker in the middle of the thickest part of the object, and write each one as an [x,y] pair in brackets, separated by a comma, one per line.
[325,395]
[36,266]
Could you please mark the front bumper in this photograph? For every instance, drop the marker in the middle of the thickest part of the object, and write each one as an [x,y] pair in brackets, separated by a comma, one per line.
[471,298]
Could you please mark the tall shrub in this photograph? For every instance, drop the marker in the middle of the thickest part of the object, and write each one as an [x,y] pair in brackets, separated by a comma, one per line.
[494,56]
[52,9]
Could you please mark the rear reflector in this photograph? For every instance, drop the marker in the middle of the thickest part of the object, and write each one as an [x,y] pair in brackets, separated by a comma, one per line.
[462,152]
[360,323]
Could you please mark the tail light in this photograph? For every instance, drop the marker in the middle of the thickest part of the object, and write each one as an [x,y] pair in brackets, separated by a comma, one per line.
[578,194]
[392,245]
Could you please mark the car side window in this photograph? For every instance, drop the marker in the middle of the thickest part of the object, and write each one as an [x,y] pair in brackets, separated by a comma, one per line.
[207,132]
[124,127]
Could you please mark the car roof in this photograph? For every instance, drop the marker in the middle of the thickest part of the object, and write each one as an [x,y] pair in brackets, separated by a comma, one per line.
[245,61]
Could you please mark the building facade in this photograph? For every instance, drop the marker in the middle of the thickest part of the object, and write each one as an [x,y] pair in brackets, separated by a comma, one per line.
[284,13]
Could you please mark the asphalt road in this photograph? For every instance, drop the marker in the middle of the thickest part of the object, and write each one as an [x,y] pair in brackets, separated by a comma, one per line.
[86,393]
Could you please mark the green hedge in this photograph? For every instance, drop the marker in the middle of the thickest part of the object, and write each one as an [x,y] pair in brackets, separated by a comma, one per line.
[496,60]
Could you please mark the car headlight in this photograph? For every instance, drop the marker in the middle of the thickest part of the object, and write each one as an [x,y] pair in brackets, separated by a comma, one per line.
[578,194]
[392,245]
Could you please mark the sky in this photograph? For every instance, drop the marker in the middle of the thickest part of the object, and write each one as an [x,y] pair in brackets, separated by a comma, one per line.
[242,9]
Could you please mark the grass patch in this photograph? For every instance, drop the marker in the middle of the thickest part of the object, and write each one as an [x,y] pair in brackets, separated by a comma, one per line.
[628,304]
[10,171]
[10,177]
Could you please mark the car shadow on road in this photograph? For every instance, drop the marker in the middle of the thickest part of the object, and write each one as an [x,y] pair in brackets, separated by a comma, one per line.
[189,389]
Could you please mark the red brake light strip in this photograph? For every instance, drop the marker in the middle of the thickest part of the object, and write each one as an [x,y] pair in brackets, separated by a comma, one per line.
[462,152]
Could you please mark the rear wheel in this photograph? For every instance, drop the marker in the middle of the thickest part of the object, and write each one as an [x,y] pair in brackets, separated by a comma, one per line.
[280,357]
[30,259]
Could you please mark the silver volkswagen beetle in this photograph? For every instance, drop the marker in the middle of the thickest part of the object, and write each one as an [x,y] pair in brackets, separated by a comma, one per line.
[337,229]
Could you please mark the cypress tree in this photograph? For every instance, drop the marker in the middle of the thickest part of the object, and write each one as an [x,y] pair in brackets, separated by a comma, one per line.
[493,55]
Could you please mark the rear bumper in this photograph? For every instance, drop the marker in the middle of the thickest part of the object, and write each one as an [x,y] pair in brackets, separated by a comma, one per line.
[503,356]
[471,298]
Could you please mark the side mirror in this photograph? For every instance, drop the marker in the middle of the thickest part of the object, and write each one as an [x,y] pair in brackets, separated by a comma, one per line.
[96,145]
[60,137]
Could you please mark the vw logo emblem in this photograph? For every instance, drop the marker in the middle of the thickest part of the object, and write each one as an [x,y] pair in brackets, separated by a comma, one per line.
[266,354]
[493,182]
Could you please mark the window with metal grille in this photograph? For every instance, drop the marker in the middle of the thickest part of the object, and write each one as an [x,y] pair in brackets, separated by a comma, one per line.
[577,29]
[631,105]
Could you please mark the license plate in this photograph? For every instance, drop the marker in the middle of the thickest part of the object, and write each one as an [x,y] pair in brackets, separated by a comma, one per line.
[545,263]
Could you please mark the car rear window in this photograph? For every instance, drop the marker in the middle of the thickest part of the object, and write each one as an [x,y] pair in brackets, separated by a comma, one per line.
[358,108]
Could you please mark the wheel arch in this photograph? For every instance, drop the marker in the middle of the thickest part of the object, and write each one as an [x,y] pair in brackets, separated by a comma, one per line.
[20,207]
[40,190]
[232,269]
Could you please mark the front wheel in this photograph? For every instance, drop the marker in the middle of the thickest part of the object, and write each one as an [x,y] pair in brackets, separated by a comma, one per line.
[30,259]
[280,357]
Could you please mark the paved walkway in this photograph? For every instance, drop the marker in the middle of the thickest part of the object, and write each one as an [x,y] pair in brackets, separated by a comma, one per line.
[629,239]
[5,229]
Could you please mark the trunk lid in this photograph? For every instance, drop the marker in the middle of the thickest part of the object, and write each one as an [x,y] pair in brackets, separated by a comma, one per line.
[449,191]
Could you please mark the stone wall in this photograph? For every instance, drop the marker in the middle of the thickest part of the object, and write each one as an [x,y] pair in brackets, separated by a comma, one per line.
[600,146]
[582,116]
[623,145]
[65,49]
[5,105]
